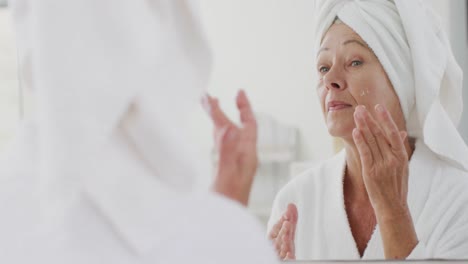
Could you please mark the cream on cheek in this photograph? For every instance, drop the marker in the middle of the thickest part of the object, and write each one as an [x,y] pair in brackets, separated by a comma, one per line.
[369,86]
[361,88]
[364,92]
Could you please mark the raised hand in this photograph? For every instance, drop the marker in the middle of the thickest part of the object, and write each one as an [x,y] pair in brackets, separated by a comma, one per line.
[237,148]
[283,234]
[384,158]
[384,162]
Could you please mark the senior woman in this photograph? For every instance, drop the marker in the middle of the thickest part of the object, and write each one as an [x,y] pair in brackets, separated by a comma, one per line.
[390,88]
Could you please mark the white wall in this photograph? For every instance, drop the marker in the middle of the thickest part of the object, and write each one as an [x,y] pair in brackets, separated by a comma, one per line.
[265,47]
[9,110]
[459,40]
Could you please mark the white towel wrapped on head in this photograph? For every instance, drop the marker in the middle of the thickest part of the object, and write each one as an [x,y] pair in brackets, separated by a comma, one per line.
[406,37]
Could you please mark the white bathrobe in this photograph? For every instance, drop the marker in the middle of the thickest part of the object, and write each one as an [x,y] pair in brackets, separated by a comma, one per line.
[122,218]
[407,38]
[437,199]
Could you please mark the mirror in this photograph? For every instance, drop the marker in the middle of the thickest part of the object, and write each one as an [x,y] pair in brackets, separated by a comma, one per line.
[9,92]
[266,48]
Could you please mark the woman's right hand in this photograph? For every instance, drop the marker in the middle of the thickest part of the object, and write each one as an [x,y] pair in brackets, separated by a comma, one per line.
[283,233]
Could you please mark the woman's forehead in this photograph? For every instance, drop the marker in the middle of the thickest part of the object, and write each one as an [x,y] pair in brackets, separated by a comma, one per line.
[341,35]
[338,34]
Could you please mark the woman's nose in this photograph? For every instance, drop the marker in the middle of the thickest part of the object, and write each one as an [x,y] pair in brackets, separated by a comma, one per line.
[334,79]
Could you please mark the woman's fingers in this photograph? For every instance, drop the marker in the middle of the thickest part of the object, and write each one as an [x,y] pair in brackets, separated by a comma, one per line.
[290,256]
[290,241]
[247,115]
[370,140]
[393,134]
[378,134]
[292,217]
[286,240]
[248,126]
[291,213]
[279,241]
[219,118]
[228,148]
[363,148]
[274,232]
[283,233]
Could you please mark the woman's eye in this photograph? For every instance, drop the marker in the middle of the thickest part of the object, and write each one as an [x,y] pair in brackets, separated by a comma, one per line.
[323,69]
[356,63]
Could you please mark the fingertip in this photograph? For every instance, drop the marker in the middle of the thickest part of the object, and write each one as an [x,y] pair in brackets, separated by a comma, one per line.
[356,133]
[242,98]
[292,209]
[359,112]
[356,116]
[360,108]
[379,108]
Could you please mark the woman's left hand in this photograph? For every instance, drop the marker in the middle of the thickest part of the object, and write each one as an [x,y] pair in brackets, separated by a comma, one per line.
[384,161]
[237,148]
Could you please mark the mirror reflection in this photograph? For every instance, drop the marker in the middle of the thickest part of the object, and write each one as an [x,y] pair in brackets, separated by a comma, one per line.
[360,62]
[337,124]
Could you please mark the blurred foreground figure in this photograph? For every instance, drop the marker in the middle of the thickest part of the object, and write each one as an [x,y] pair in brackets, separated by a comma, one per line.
[104,172]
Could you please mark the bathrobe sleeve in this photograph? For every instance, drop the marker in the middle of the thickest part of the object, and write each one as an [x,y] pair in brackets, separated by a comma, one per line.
[442,226]
[453,244]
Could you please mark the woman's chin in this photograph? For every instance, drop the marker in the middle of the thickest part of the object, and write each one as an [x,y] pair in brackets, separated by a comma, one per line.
[340,125]
[340,131]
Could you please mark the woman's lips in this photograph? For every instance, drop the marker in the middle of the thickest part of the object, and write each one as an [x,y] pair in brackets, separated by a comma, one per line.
[337,105]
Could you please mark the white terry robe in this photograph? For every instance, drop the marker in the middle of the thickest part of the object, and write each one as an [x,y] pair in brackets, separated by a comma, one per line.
[121,219]
[437,199]
[407,38]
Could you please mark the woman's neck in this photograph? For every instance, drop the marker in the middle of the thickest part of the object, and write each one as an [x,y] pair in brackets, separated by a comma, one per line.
[353,182]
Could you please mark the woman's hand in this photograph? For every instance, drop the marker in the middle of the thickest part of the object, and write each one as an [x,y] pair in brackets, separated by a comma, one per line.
[384,161]
[237,148]
[283,233]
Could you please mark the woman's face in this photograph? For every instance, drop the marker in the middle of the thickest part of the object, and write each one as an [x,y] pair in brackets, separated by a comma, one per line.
[351,75]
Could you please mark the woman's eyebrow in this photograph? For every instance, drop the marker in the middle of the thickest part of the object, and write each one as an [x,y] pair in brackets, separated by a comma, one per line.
[350,41]
[320,50]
